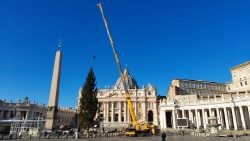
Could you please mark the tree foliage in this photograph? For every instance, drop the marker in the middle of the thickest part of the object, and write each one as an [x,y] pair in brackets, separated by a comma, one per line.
[88,102]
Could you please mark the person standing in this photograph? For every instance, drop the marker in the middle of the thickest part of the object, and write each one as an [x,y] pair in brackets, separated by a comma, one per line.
[163,136]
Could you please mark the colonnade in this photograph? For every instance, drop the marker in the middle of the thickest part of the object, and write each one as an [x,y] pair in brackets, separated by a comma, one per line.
[230,118]
[26,114]
[118,111]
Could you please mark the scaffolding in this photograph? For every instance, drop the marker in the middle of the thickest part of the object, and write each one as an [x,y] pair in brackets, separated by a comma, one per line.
[25,127]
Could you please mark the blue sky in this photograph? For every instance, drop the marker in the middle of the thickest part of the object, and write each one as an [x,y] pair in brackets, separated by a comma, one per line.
[158,40]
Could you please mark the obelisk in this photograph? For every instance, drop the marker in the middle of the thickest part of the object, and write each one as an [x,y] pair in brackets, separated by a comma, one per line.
[54,92]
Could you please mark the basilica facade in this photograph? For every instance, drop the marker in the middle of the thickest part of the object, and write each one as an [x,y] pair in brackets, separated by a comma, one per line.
[114,109]
[197,101]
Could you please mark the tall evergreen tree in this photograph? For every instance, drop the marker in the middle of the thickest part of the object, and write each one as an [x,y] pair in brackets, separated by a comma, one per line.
[88,102]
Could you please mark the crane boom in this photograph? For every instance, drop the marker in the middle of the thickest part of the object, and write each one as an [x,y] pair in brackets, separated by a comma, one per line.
[127,95]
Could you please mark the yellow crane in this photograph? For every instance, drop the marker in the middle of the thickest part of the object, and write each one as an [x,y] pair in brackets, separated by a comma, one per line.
[137,128]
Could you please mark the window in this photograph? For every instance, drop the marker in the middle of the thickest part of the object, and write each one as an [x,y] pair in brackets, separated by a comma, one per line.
[241,84]
[245,82]
[149,104]
[149,93]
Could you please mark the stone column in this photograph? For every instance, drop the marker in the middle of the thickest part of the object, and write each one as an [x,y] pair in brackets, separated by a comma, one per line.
[112,112]
[120,111]
[210,112]
[248,111]
[204,119]
[190,117]
[219,117]
[177,113]
[143,107]
[197,118]
[155,112]
[238,118]
[163,118]
[242,118]
[222,118]
[107,113]
[213,113]
[226,118]
[125,111]
[183,113]
[192,114]
[27,115]
[104,111]
[128,114]
[234,119]
[230,119]
[200,116]
[206,116]
[174,119]
[1,114]
[136,110]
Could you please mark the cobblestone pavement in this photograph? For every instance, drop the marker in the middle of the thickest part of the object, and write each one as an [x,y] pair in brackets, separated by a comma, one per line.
[170,138]
[155,138]
[152,138]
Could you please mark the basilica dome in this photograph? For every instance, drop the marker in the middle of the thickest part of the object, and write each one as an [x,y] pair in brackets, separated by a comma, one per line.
[129,80]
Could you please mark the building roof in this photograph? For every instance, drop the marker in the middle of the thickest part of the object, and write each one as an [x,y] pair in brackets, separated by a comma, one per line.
[202,81]
[240,65]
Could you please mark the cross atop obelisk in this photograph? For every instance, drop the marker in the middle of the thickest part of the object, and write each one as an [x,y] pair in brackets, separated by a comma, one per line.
[54,91]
